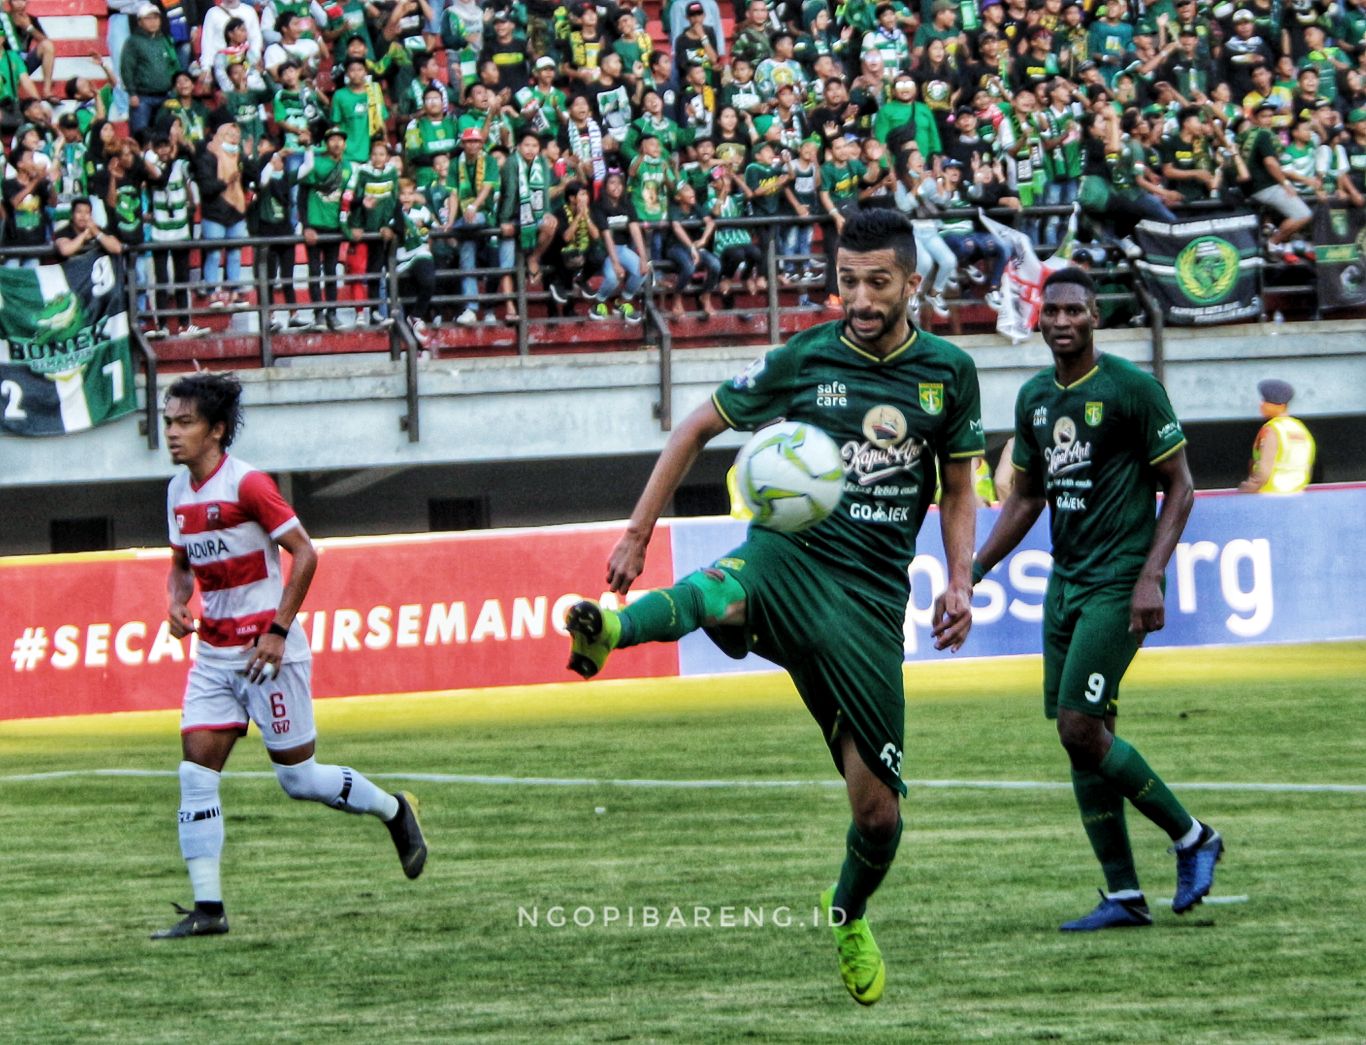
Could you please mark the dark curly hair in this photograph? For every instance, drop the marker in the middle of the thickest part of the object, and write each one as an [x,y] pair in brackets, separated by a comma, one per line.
[881,228]
[218,397]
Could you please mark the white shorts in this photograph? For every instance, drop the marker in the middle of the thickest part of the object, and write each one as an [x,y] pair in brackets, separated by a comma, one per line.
[222,698]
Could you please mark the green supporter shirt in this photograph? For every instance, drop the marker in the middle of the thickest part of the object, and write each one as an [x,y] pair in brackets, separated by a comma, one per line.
[651,186]
[1187,156]
[1256,145]
[426,138]
[892,418]
[1091,447]
[471,177]
[842,182]
[326,182]
[758,176]
[380,185]
[351,112]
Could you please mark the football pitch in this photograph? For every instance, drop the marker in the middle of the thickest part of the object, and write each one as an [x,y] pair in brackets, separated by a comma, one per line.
[560,817]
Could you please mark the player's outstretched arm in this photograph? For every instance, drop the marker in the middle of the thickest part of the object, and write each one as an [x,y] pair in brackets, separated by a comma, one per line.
[1018,514]
[952,618]
[1146,610]
[179,591]
[687,440]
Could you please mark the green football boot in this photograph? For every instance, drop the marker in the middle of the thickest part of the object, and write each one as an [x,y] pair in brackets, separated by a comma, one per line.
[861,965]
[595,632]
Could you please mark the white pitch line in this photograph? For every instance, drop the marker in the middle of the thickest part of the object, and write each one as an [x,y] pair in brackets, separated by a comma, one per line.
[700,785]
[1166,901]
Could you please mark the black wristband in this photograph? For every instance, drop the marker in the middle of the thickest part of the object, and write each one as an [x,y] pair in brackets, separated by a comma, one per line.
[276,629]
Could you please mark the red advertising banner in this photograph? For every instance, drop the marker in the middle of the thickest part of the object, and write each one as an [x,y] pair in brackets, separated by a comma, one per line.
[88,633]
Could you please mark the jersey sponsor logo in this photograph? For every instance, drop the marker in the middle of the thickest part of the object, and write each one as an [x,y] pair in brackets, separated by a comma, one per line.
[1169,429]
[835,393]
[1066,455]
[885,426]
[1040,417]
[731,563]
[886,451]
[747,377]
[1094,412]
[206,549]
[932,397]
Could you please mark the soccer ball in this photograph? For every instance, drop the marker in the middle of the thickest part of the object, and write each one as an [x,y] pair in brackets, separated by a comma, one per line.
[790,476]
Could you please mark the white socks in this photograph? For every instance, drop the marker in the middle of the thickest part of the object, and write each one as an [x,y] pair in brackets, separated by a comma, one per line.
[337,786]
[201,830]
[1190,837]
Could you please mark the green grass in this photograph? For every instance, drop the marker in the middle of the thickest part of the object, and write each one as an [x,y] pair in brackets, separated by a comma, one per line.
[330,941]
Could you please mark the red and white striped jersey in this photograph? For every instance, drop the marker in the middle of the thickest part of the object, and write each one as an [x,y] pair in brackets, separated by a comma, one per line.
[228,526]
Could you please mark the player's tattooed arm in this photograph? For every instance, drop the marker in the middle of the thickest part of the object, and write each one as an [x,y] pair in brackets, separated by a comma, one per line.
[1146,610]
[699,428]
[179,591]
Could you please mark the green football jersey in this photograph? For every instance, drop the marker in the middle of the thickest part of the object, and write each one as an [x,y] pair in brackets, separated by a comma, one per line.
[892,418]
[1091,446]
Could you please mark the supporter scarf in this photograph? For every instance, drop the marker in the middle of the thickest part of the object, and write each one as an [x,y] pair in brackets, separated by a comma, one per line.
[587,145]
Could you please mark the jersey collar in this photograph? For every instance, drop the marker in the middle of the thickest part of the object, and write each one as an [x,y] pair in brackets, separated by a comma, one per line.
[196,487]
[905,345]
[1079,381]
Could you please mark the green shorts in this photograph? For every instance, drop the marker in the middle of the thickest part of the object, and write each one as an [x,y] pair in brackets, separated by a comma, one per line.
[845,654]
[1087,646]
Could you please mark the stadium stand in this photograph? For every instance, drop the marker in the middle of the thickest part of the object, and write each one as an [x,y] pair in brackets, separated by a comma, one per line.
[470,178]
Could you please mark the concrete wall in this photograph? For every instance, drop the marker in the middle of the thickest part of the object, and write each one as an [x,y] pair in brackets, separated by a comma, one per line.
[572,438]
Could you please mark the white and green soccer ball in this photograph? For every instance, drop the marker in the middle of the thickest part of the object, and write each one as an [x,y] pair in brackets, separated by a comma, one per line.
[790,476]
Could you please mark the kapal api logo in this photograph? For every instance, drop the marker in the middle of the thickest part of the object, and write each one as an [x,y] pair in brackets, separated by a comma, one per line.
[1207,269]
[1066,454]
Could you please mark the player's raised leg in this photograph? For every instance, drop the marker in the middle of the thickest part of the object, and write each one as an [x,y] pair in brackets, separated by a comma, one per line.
[705,598]
[870,848]
[288,700]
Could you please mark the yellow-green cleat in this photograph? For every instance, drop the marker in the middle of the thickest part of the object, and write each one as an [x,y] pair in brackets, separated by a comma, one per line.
[861,965]
[595,632]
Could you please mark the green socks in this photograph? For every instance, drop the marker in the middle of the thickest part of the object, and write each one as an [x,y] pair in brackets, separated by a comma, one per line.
[665,615]
[668,614]
[1102,815]
[1124,768]
[865,865]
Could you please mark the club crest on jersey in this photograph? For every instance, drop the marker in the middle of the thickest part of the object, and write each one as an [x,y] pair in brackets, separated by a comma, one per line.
[885,426]
[213,513]
[1094,412]
[932,397]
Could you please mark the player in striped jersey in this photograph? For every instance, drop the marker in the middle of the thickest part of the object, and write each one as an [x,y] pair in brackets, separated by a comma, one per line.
[227,523]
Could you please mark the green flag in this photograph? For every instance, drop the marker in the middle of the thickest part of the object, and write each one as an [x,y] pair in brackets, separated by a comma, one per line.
[66,364]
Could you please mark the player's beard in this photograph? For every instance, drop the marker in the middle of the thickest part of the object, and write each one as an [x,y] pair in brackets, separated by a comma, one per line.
[889,321]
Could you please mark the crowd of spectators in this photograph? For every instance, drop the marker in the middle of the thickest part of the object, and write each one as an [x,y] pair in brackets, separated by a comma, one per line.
[567,134]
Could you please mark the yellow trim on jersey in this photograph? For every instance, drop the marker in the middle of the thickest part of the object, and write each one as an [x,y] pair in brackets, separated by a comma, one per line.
[1022,471]
[1162,457]
[1079,381]
[969,453]
[722,411]
[891,355]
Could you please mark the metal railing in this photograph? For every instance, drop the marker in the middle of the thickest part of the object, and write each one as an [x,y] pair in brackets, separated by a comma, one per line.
[259,294]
